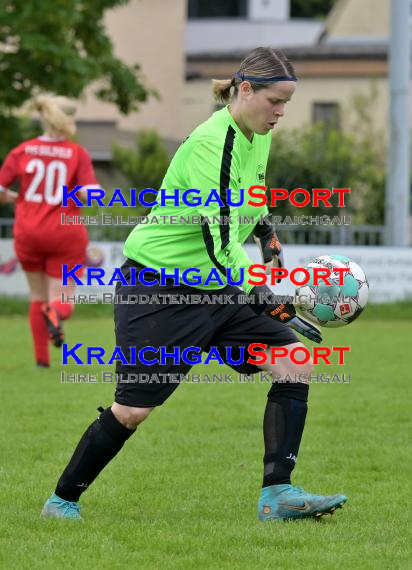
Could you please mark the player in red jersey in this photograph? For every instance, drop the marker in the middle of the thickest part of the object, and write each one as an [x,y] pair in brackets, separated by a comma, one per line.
[42,166]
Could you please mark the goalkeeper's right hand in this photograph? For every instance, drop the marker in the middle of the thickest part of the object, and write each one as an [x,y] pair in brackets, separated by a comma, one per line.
[285,313]
[270,249]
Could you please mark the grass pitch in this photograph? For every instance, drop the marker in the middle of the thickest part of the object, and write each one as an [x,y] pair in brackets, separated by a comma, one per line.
[183,491]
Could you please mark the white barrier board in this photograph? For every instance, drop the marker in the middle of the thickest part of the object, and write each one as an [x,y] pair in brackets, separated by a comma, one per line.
[388,269]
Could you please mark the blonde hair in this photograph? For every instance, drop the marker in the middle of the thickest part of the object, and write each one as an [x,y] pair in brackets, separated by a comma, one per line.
[57,114]
[261,62]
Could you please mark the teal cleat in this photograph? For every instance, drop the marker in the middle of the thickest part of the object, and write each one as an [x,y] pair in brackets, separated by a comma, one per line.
[57,508]
[285,502]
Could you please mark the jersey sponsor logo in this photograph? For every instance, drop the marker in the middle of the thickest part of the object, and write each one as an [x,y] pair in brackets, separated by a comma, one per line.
[260,173]
[49,150]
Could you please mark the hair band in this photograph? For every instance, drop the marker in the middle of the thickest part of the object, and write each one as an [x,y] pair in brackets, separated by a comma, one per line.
[274,79]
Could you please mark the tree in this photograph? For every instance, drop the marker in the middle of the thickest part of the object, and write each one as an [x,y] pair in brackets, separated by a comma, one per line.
[317,157]
[144,166]
[320,157]
[61,47]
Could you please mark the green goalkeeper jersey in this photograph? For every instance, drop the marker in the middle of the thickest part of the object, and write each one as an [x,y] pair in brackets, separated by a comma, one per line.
[217,155]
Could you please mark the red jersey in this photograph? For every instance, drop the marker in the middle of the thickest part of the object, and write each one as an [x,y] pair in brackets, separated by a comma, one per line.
[42,166]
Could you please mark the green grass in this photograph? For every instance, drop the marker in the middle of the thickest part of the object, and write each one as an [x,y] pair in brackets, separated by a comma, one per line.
[183,492]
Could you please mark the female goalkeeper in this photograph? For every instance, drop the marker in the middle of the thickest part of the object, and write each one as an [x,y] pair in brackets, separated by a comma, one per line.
[42,244]
[229,150]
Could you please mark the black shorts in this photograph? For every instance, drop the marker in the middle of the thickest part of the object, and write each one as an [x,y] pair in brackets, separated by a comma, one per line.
[182,325]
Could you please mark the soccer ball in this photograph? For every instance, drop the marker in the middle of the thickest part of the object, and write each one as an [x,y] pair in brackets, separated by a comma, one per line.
[333,305]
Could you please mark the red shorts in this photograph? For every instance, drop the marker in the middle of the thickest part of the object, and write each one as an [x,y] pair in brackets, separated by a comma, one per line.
[49,260]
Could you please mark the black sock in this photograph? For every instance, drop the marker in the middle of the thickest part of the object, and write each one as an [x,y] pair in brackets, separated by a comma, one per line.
[102,440]
[283,425]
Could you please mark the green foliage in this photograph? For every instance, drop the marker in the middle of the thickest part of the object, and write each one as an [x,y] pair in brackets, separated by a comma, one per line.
[61,47]
[319,157]
[311,8]
[144,166]
[14,130]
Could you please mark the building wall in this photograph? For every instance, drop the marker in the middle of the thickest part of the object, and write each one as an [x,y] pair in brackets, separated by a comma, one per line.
[358,18]
[210,36]
[199,104]
[150,33]
[339,90]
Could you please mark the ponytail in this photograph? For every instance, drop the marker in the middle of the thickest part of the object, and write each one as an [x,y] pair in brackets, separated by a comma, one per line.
[56,114]
[222,89]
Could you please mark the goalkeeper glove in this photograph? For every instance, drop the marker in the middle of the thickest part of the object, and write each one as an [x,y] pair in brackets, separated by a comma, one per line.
[270,249]
[285,313]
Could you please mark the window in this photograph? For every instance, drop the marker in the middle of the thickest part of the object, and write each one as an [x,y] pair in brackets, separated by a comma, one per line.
[219,9]
[316,9]
[327,113]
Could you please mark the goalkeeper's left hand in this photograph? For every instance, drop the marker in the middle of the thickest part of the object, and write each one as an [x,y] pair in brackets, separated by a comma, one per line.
[283,312]
[270,249]
[286,313]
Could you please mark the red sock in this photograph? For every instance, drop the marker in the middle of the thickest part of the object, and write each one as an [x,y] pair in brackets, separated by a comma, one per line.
[64,310]
[39,333]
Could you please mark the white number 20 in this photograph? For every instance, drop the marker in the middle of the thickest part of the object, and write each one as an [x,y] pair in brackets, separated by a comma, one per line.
[54,176]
